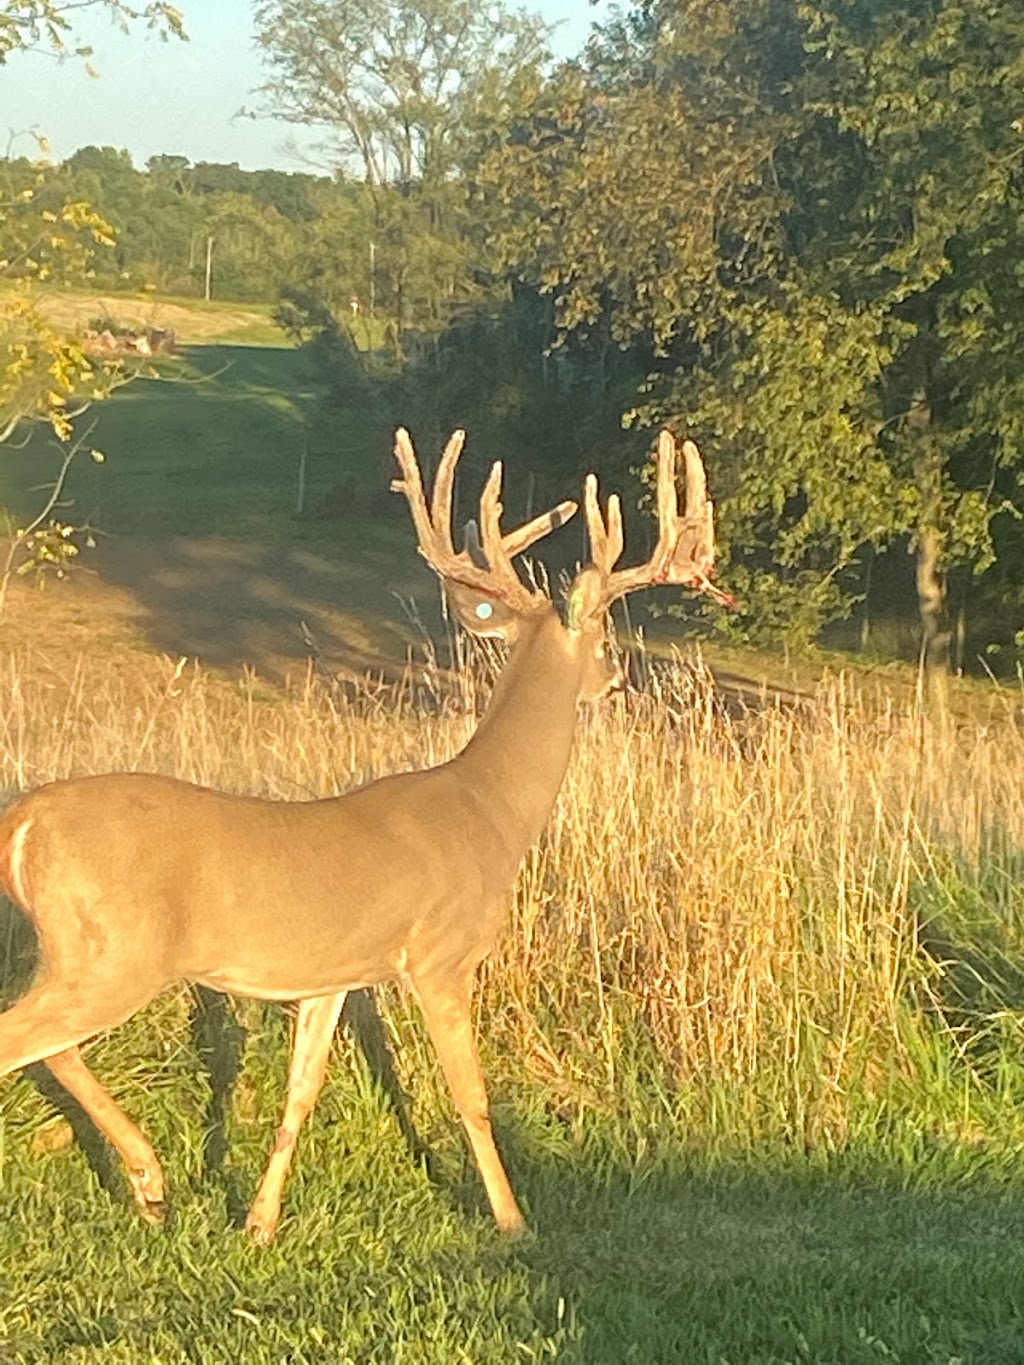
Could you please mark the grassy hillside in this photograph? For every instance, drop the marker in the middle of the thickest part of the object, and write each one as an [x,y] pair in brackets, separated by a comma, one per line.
[211,447]
[194,321]
[195,514]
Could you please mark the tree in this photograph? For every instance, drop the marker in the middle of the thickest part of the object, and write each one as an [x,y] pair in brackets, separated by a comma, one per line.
[402,88]
[253,243]
[172,172]
[814,213]
[396,81]
[41,371]
[32,25]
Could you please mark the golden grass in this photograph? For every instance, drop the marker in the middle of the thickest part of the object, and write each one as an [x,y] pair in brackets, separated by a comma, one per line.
[193,320]
[730,922]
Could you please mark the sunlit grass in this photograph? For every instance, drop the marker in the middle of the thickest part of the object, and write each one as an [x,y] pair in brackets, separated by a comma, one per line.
[754,1038]
[194,321]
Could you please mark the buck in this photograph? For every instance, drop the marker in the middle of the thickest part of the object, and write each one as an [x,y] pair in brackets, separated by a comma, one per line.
[134,882]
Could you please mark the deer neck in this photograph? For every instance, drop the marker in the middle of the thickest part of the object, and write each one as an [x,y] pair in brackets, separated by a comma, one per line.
[520,751]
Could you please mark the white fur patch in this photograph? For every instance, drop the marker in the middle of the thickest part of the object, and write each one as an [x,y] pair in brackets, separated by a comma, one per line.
[16,862]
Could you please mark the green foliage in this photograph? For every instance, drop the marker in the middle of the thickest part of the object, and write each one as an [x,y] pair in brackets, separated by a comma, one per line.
[44,375]
[814,213]
[163,217]
[50,235]
[407,89]
[397,82]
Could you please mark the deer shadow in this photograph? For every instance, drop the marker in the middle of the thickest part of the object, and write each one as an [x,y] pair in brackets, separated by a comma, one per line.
[219,1040]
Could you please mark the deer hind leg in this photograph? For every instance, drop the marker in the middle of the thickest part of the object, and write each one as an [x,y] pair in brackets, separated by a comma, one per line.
[140,1161]
[46,1025]
[447,1011]
[311,1045]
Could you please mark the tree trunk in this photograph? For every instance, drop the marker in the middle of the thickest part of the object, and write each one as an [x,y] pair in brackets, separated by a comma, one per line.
[936,636]
[932,605]
[864,633]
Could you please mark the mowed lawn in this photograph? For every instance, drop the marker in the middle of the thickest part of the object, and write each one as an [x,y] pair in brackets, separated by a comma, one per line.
[194,511]
[751,1201]
[213,446]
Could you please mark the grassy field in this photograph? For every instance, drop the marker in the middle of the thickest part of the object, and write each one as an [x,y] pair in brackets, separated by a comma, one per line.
[755,1037]
[193,321]
[200,486]
[212,447]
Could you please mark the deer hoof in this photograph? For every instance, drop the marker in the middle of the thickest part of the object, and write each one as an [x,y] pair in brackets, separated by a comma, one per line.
[260,1230]
[154,1211]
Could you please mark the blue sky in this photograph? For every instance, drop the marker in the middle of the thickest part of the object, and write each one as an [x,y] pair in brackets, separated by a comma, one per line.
[180,97]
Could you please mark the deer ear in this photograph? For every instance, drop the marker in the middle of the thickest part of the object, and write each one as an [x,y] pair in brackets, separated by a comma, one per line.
[585,597]
[479,612]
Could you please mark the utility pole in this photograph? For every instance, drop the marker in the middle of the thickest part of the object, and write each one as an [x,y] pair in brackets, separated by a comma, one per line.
[373,279]
[209,268]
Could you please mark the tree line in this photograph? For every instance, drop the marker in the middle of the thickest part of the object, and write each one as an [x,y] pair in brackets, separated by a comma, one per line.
[794,231]
[166,216]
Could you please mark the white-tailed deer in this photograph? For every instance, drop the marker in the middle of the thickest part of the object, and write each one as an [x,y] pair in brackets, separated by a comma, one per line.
[134,881]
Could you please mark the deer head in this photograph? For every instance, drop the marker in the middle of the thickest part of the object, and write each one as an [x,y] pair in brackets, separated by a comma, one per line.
[490,599]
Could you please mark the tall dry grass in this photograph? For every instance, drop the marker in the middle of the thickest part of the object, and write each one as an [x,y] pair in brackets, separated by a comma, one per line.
[802,925]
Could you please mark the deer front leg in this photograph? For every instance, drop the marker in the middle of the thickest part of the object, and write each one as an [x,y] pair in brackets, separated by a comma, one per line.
[314,1028]
[447,1011]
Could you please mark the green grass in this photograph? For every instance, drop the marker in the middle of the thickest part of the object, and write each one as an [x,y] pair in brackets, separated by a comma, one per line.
[756,1042]
[213,448]
[759,1119]
[754,1262]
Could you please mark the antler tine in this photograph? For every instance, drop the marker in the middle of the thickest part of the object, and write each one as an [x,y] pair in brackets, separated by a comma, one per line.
[412,486]
[515,542]
[685,552]
[435,542]
[597,533]
[444,485]
[605,537]
[616,540]
[668,500]
[696,482]
[486,563]
[498,549]
[495,551]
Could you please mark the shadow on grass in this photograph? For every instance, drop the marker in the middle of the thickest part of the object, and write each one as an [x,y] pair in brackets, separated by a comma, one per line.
[749,1266]
[219,1040]
[219,1043]
[230,604]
